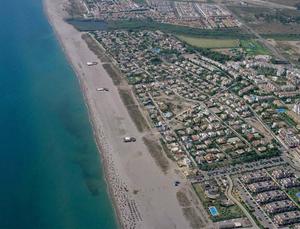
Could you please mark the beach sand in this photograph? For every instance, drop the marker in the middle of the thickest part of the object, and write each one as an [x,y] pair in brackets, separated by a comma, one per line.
[143,194]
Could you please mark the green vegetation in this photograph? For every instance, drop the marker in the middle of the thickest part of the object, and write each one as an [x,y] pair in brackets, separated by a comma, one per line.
[112,72]
[191,215]
[288,119]
[250,157]
[133,110]
[150,24]
[94,47]
[246,158]
[225,213]
[183,199]
[282,36]
[140,1]
[266,71]
[166,149]
[155,61]
[157,153]
[252,47]
[209,43]
[283,17]
[135,79]
[74,9]
[292,193]
[87,24]
[217,56]
[204,46]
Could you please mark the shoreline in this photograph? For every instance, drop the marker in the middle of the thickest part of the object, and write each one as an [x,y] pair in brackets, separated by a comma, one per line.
[142,195]
[99,146]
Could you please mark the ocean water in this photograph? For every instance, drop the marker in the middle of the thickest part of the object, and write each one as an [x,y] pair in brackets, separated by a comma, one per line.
[50,170]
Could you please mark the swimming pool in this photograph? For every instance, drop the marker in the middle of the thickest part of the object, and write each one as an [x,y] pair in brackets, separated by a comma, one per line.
[213,211]
[280,110]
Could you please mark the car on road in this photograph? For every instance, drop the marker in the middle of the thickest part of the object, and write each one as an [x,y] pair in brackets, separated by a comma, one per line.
[129,139]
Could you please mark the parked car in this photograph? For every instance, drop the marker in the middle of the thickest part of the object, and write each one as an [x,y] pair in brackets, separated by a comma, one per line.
[129,139]
[102,89]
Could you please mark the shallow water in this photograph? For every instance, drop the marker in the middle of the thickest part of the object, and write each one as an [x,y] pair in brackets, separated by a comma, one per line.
[50,172]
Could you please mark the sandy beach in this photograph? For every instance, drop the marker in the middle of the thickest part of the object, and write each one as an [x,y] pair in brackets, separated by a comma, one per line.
[144,196]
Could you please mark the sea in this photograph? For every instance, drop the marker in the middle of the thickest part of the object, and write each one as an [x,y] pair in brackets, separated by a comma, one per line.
[50,169]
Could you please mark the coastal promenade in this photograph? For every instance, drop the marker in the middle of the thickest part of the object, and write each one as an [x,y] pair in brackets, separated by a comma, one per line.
[144,196]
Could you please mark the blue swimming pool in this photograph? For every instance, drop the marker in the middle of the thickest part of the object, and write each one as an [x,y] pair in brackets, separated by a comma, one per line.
[213,211]
[280,110]
[298,194]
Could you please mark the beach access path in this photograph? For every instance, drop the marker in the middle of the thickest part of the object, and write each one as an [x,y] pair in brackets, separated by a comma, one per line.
[144,196]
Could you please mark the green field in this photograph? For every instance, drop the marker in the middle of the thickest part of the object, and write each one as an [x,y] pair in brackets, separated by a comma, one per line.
[252,47]
[140,1]
[209,43]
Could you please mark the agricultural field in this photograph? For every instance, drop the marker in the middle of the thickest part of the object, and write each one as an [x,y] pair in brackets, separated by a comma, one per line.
[286,2]
[289,48]
[266,20]
[247,13]
[275,28]
[210,43]
[252,47]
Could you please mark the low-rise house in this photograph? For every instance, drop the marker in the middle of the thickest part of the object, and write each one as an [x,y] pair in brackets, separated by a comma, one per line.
[270,196]
[287,218]
[255,177]
[262,186]
[280,206]
[289,182]
[281,173]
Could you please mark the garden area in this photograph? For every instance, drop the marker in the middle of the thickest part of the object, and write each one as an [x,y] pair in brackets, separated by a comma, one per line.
[223,212]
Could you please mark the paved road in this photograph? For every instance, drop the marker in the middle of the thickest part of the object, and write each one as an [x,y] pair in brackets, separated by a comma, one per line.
[259,212]
[231,197]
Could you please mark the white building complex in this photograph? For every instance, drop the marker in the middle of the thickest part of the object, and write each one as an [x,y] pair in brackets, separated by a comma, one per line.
[296,108]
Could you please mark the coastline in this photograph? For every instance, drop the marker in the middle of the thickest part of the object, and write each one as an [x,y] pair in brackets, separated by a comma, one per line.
[96,137]
[142,195]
